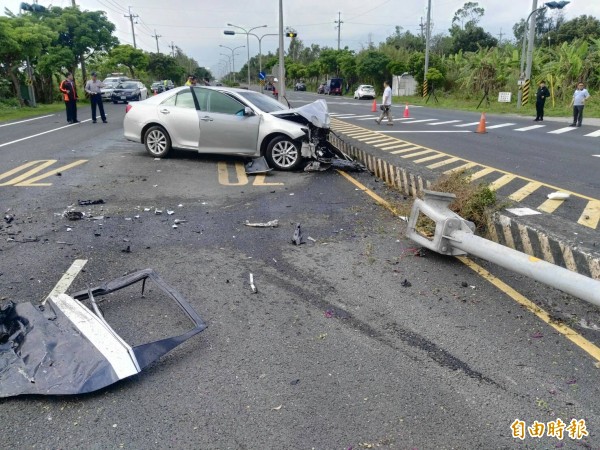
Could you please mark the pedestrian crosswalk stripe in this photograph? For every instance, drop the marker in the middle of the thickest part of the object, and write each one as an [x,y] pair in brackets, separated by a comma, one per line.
[562,130]
[594,134]
[591,215]
[358,134]
[550,205]
[419,121]
[461,168]
[502,181]
[429,158]
[467,124]
[378,139]
[444,123]
[502,125]
[392,147]
[482,173]
[532,127]
[406,150]
[443,163]
[424,152]
[525,191]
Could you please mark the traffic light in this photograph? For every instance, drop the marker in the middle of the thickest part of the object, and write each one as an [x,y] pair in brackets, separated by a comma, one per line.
[291,34]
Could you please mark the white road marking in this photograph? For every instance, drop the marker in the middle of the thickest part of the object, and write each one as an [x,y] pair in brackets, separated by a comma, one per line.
[66,280]
[421,131]
[444,123]
[45,132]
[502,125]
[420,120]
[597,156]
[594,134]
[562,130]
[365,115]
[467,124]
[28,120]
[532,127]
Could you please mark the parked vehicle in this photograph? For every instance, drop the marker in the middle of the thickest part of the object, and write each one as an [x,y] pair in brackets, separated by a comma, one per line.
[300,87]
[157,87]
[321,89]
[110,83]
[333,86]
[365,91]
[129,91]
[225,120]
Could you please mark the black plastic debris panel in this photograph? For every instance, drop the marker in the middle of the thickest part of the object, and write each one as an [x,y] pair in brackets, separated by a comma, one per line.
[63,347]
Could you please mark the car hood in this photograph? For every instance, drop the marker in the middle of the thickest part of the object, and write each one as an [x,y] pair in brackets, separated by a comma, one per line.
[316,113]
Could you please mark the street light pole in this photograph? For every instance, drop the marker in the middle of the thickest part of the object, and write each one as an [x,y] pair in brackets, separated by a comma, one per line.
[247,33]
[281,55]
[232,57]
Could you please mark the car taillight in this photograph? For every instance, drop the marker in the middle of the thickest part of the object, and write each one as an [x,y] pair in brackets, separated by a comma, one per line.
[127,108]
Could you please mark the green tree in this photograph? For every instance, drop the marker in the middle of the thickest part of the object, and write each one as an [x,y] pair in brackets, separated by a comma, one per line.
[163,67]
[132,58]
[202,73]
[582,27]
[372,67]
[468,16]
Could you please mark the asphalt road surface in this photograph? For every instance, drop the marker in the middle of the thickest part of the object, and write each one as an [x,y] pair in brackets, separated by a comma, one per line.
[352,341]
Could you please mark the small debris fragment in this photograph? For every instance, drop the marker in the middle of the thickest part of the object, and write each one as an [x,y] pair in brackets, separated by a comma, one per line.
[295,382]
[558,196]
[464,284]
[127,250]
[252,286]
[90,202]
[297,237]
[311,239]
[277,408]
[73,215]
[97,218]
[158,211]
[269,224]
[329,313]
[170,212]
[537,335]
[180,205]
[180,221]
[571,381]
[406,283]
[403,218]
[175,226]
[9,218]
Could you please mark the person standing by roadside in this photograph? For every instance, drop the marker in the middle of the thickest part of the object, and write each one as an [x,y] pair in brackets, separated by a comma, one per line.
[540,99]
[579,98]
[93,88]
[67,87]
[386,105]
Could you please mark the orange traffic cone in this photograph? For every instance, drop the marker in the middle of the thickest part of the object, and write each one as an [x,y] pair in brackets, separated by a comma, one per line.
[374,107]
[481,126]
[406,112]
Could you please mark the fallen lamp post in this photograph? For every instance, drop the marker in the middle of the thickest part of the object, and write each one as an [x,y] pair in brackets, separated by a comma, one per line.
[455,236]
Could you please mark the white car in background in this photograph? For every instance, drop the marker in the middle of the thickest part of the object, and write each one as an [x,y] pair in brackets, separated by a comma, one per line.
[111,83]
[221,120]
[365,91]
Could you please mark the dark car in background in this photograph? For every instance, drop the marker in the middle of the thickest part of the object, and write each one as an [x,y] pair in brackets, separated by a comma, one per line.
[300,87]
[333,86]
[129,91]
[157,87]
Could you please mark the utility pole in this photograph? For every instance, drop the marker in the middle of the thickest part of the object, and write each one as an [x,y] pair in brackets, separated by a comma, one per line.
[73,4]
[156,36]
[339,27]
[422,26]
[172,47]
[500,36]
[130,17]
[281,73]
[428,38]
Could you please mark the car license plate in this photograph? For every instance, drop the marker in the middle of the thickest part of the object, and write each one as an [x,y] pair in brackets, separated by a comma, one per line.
[123,97]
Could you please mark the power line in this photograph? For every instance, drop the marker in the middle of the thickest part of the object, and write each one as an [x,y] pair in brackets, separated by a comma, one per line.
[131,17]
[156,36]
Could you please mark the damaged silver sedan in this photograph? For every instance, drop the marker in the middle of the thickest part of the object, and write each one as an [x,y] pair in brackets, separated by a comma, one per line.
[219,120]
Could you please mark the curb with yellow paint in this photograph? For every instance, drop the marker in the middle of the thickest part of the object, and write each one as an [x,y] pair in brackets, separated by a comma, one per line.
[520,233]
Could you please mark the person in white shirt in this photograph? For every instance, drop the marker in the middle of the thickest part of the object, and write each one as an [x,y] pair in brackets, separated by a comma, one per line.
[386,105]
[580,96]
[94,88]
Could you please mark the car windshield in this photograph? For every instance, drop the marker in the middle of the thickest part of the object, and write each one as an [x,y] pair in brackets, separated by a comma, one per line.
[335,83]
[128,86]
[367,87]
[262,101]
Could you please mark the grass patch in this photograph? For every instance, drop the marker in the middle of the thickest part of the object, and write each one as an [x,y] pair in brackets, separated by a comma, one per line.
[11,112]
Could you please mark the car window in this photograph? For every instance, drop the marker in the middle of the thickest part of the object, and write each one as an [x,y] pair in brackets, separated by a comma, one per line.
[263,102]
[128,86]
[185,100]
[202,97]
[170,101]
[221,103]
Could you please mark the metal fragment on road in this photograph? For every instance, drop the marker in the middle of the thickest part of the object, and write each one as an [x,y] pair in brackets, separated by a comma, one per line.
[297,237]
[269,224]
[257,166]
[252,286]
[73,215]
[90,202]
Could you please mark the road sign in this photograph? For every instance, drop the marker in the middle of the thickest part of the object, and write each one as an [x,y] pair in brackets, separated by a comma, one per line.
[261,75]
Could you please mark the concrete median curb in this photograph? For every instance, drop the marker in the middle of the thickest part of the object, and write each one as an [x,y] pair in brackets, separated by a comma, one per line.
[553,239]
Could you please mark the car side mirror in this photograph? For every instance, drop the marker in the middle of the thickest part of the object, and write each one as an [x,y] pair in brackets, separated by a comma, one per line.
[248,111]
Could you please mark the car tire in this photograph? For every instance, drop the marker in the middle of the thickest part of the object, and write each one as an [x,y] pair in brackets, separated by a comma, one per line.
[283,153]
[157,141]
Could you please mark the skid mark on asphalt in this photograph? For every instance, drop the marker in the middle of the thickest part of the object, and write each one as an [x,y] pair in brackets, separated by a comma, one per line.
[572,335]
[27,179]
[586,212]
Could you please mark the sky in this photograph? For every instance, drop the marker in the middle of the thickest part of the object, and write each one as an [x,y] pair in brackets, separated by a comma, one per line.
[196,26]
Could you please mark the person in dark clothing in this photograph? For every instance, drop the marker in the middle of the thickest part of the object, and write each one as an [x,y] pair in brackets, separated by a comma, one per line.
[67,87]
[540,98]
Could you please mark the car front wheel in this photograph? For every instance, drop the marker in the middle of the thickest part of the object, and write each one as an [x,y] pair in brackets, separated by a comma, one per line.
[283,154]
[157,141]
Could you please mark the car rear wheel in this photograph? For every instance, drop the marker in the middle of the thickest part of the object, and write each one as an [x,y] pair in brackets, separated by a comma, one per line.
[157,141]
[283,154]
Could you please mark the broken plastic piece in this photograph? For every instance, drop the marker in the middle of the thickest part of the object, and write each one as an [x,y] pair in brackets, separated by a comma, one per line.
[9,218]
[64,348]
[252,286]
[257,165]
[90,202]
[297,237]
[558,196]
[269,224]
[406,283]
[73,215]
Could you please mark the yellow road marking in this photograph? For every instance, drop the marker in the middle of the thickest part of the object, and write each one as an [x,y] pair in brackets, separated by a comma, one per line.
[20,168]
[482,173]
[502,181]
[32,181]
[405,150]
[443,163]
[463,167]
[224,174]
[591,215]
[572,335]
[44,163]
[391,147]
[259,180]
[379,139]
[525,191]
[550,205]
[424,152]
[429,158]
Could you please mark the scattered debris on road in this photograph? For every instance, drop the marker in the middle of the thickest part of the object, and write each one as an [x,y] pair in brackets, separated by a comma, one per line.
[257,166]
[297,237]
[90,202]
[73,215]
[558,196]
[8,218]
[252,286]
[269,224]
[406,283]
